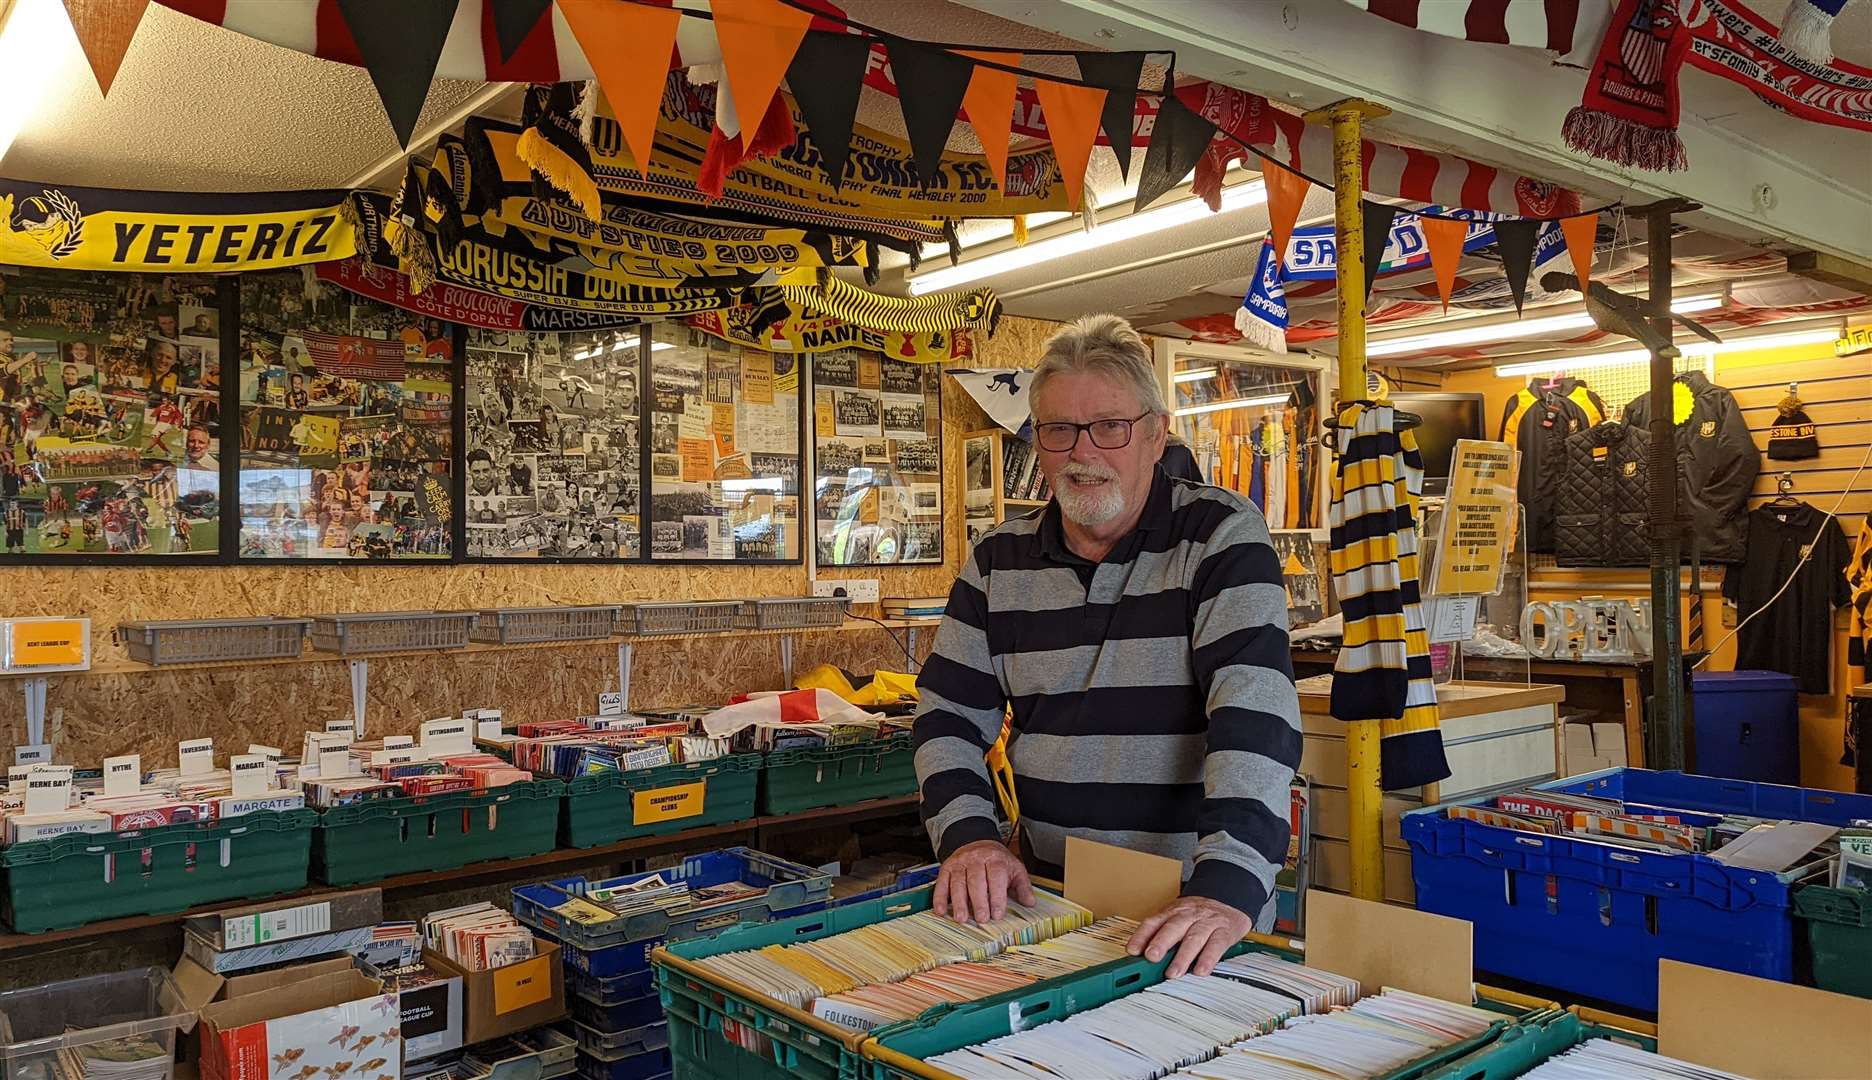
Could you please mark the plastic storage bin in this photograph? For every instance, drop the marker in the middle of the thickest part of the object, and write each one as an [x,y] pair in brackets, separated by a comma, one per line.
[375,840]
[803,778]
[1527,1044]
[794,612]
[691,618]
[1747,725]
[73,880]
[196,641]
[1593,919]
[605,808]
[391,631]
[1839,931]
[106,1020]
[519,626]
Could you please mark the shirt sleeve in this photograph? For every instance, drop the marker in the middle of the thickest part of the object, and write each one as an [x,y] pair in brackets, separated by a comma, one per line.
[959,714]
[1239,657]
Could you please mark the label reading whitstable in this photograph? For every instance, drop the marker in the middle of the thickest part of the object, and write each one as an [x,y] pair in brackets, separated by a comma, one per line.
[123,775]
[1478,519]
[667,803]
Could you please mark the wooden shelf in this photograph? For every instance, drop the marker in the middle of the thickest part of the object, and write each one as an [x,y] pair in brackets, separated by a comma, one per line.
[482,873]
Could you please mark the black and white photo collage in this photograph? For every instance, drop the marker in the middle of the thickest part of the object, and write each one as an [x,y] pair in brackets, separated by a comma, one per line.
[552,445]
[878,437]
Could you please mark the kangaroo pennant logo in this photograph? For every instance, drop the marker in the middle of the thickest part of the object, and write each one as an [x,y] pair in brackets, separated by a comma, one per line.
[50,220]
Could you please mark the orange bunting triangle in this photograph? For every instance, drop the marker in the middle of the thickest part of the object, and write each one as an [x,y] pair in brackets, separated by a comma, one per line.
[1444,237]
[989,103]
[104,29]
[758,39]
[629,46]
[1286,191]
[1581,232]
[1072,120]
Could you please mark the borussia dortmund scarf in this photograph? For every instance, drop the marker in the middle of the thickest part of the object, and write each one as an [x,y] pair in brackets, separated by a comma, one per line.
[819,291]
[1383,669]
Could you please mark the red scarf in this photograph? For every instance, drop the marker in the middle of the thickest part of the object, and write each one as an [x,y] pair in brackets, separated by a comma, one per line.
[1629,114]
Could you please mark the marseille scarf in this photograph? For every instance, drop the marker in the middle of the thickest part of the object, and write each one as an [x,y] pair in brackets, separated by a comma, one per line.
[1383,669]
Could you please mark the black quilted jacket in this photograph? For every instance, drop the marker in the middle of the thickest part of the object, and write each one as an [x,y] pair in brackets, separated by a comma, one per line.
[1717,462]
[1599,504]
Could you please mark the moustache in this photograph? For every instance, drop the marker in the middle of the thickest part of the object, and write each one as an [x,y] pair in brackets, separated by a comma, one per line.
[1087,472]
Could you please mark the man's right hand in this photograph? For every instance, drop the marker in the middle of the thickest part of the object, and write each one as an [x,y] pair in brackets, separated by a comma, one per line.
[975,880]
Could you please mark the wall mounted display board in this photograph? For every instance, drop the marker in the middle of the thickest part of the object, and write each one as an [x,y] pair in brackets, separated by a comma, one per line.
[347,413]
[877,492]
[552,453]
[726,442]
[110,415]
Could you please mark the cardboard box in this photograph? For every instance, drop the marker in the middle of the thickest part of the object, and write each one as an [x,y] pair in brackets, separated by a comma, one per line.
[1609,744]
[341,942]
[430,1005]
[1581,754]
[512,998]
[283,920]
[339,1024]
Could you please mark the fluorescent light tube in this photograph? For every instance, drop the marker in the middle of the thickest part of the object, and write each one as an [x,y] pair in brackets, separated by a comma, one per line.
[1509,331]
[1218,406]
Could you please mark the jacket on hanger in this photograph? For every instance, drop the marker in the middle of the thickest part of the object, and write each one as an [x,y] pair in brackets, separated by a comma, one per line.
[1795,634]
[1717,463]
[1600,502]
[1538,421]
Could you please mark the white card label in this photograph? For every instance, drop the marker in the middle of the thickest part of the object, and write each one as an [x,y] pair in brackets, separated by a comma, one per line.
[196,756]
[487,729]
[335,763]
[123,775]
[610,704]
[252,775]
[36,754]
[444,737]
[48,789]
[273,752]
[341,727]
[1453,618]
[16,778]
[398,742]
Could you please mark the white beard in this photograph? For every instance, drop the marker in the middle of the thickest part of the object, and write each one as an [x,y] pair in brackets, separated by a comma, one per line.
[1094,508]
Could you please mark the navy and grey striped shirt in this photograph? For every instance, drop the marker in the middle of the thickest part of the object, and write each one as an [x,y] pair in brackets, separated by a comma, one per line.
[1153,695]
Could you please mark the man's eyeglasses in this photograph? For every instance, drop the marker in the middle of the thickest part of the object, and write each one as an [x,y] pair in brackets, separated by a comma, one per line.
[1106,434]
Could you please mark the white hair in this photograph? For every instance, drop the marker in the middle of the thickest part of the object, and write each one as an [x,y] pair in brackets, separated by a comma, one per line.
[1102,345]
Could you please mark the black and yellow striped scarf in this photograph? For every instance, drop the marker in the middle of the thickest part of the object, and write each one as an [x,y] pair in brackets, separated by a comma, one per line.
[817,290]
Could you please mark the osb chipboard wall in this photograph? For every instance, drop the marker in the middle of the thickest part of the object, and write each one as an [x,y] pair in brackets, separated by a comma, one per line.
[96,715]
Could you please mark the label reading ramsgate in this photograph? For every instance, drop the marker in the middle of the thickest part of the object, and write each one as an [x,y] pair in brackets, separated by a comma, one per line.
[667,803]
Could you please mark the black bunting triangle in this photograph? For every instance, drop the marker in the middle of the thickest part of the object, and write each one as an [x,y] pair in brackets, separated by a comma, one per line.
[825,76]
[400,45]
[1118,74]
[1378,217]
[930,86]
[513,21]
[1177,143]
[1514,239]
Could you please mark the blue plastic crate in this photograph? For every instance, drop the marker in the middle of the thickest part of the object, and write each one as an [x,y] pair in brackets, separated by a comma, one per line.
[613,990]
[618,1016]
[611,1045]
[1594,919]
[644,1065]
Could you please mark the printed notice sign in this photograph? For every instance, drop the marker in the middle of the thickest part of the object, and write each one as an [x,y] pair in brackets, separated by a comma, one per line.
[1478,519]
[667,803]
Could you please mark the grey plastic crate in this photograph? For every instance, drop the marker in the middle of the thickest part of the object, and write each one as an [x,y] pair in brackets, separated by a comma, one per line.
[516,626]
[794,612]
[391,631]
[686,618]
[196,641]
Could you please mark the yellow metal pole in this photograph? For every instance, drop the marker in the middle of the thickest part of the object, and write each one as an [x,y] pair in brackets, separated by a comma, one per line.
[1364,797]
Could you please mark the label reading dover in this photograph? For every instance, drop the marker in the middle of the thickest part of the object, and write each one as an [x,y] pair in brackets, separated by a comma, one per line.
[667,803]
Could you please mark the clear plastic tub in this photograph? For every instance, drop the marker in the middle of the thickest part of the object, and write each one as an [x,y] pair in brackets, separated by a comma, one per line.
[101,1024]
[191,641]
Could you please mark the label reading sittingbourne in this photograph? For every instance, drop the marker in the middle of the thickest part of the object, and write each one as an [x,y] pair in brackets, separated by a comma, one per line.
[252,775]
[123,775]
[447,736]
[48,789]
[610,704]
[249,930]
[34,754]
[667,803]
[196,756]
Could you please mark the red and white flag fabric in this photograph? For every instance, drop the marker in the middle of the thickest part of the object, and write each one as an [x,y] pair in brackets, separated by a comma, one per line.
[1537,24]
[815,710]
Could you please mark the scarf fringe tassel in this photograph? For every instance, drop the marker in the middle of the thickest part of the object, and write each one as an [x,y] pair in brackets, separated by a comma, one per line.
[561,172]
[1807,31]
[1616,139]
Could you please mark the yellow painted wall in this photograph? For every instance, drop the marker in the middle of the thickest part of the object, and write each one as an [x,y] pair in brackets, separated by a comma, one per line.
[1838,395]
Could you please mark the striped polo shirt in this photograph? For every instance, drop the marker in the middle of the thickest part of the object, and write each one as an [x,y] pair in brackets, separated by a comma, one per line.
[1152,694]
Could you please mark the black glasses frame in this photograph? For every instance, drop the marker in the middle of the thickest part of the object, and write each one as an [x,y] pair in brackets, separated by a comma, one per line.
[1041,442]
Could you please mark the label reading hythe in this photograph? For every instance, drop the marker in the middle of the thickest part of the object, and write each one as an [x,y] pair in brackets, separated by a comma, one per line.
[123,775]
[196,756]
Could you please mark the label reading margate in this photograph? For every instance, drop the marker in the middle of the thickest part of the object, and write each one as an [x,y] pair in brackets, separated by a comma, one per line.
[250,775]
[667,803]
[1478,519]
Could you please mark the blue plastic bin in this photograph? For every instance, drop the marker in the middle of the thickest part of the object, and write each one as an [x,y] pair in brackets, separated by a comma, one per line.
[1747,725]
[1593,919]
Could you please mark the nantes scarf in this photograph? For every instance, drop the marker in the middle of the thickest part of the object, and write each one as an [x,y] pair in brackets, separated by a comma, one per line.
[749,326]
[818,291]
[1383,669]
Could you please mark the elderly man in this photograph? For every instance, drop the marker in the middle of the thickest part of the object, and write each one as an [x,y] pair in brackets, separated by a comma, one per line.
[1138,628]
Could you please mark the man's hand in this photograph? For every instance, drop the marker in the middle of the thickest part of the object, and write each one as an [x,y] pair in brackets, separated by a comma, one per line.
[1206,928]
[975,880]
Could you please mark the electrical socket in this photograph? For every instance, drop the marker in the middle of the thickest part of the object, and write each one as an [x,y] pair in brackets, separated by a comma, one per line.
[860,590]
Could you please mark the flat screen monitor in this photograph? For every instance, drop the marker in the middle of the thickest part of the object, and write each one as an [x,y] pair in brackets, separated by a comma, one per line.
[1446,418]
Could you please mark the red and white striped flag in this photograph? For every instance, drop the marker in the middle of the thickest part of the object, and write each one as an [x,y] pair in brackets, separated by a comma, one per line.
[1537,24]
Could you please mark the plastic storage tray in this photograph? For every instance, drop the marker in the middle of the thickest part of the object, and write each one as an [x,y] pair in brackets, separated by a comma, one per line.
[605,808]
[519,626]
[391,631]
[610,1045]
[1593,919]
[803,778]
[794,612]
[374,840]
[684,618]
[196,641]
[40,1023]
[541,1053]
[1527,1044]
[618,1016]
[73,880]
[611,989]
[642,1065]
[1839,931]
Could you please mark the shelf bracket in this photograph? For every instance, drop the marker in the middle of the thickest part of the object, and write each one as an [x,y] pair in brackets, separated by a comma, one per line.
[624,671]
[35,691]
[786,661]
[360,695]
[911,633]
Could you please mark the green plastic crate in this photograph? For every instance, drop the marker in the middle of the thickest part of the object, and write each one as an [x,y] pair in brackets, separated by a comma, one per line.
[375,840]
[73,880]
[1529,1043]
[604,808]
[808,777]
[1839,928]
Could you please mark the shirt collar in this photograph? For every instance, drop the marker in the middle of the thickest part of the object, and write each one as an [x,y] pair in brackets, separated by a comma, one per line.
[1155,519]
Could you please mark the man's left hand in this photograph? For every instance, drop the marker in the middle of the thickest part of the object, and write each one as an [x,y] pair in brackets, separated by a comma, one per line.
[1205,928]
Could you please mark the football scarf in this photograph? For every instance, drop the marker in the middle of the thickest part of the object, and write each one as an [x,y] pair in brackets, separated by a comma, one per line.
[1629,113]
[791,333]
[1383,669]
[551,146]
[819,291]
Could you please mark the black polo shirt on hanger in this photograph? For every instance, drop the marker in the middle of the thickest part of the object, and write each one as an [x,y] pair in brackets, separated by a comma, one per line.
[1795,635]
